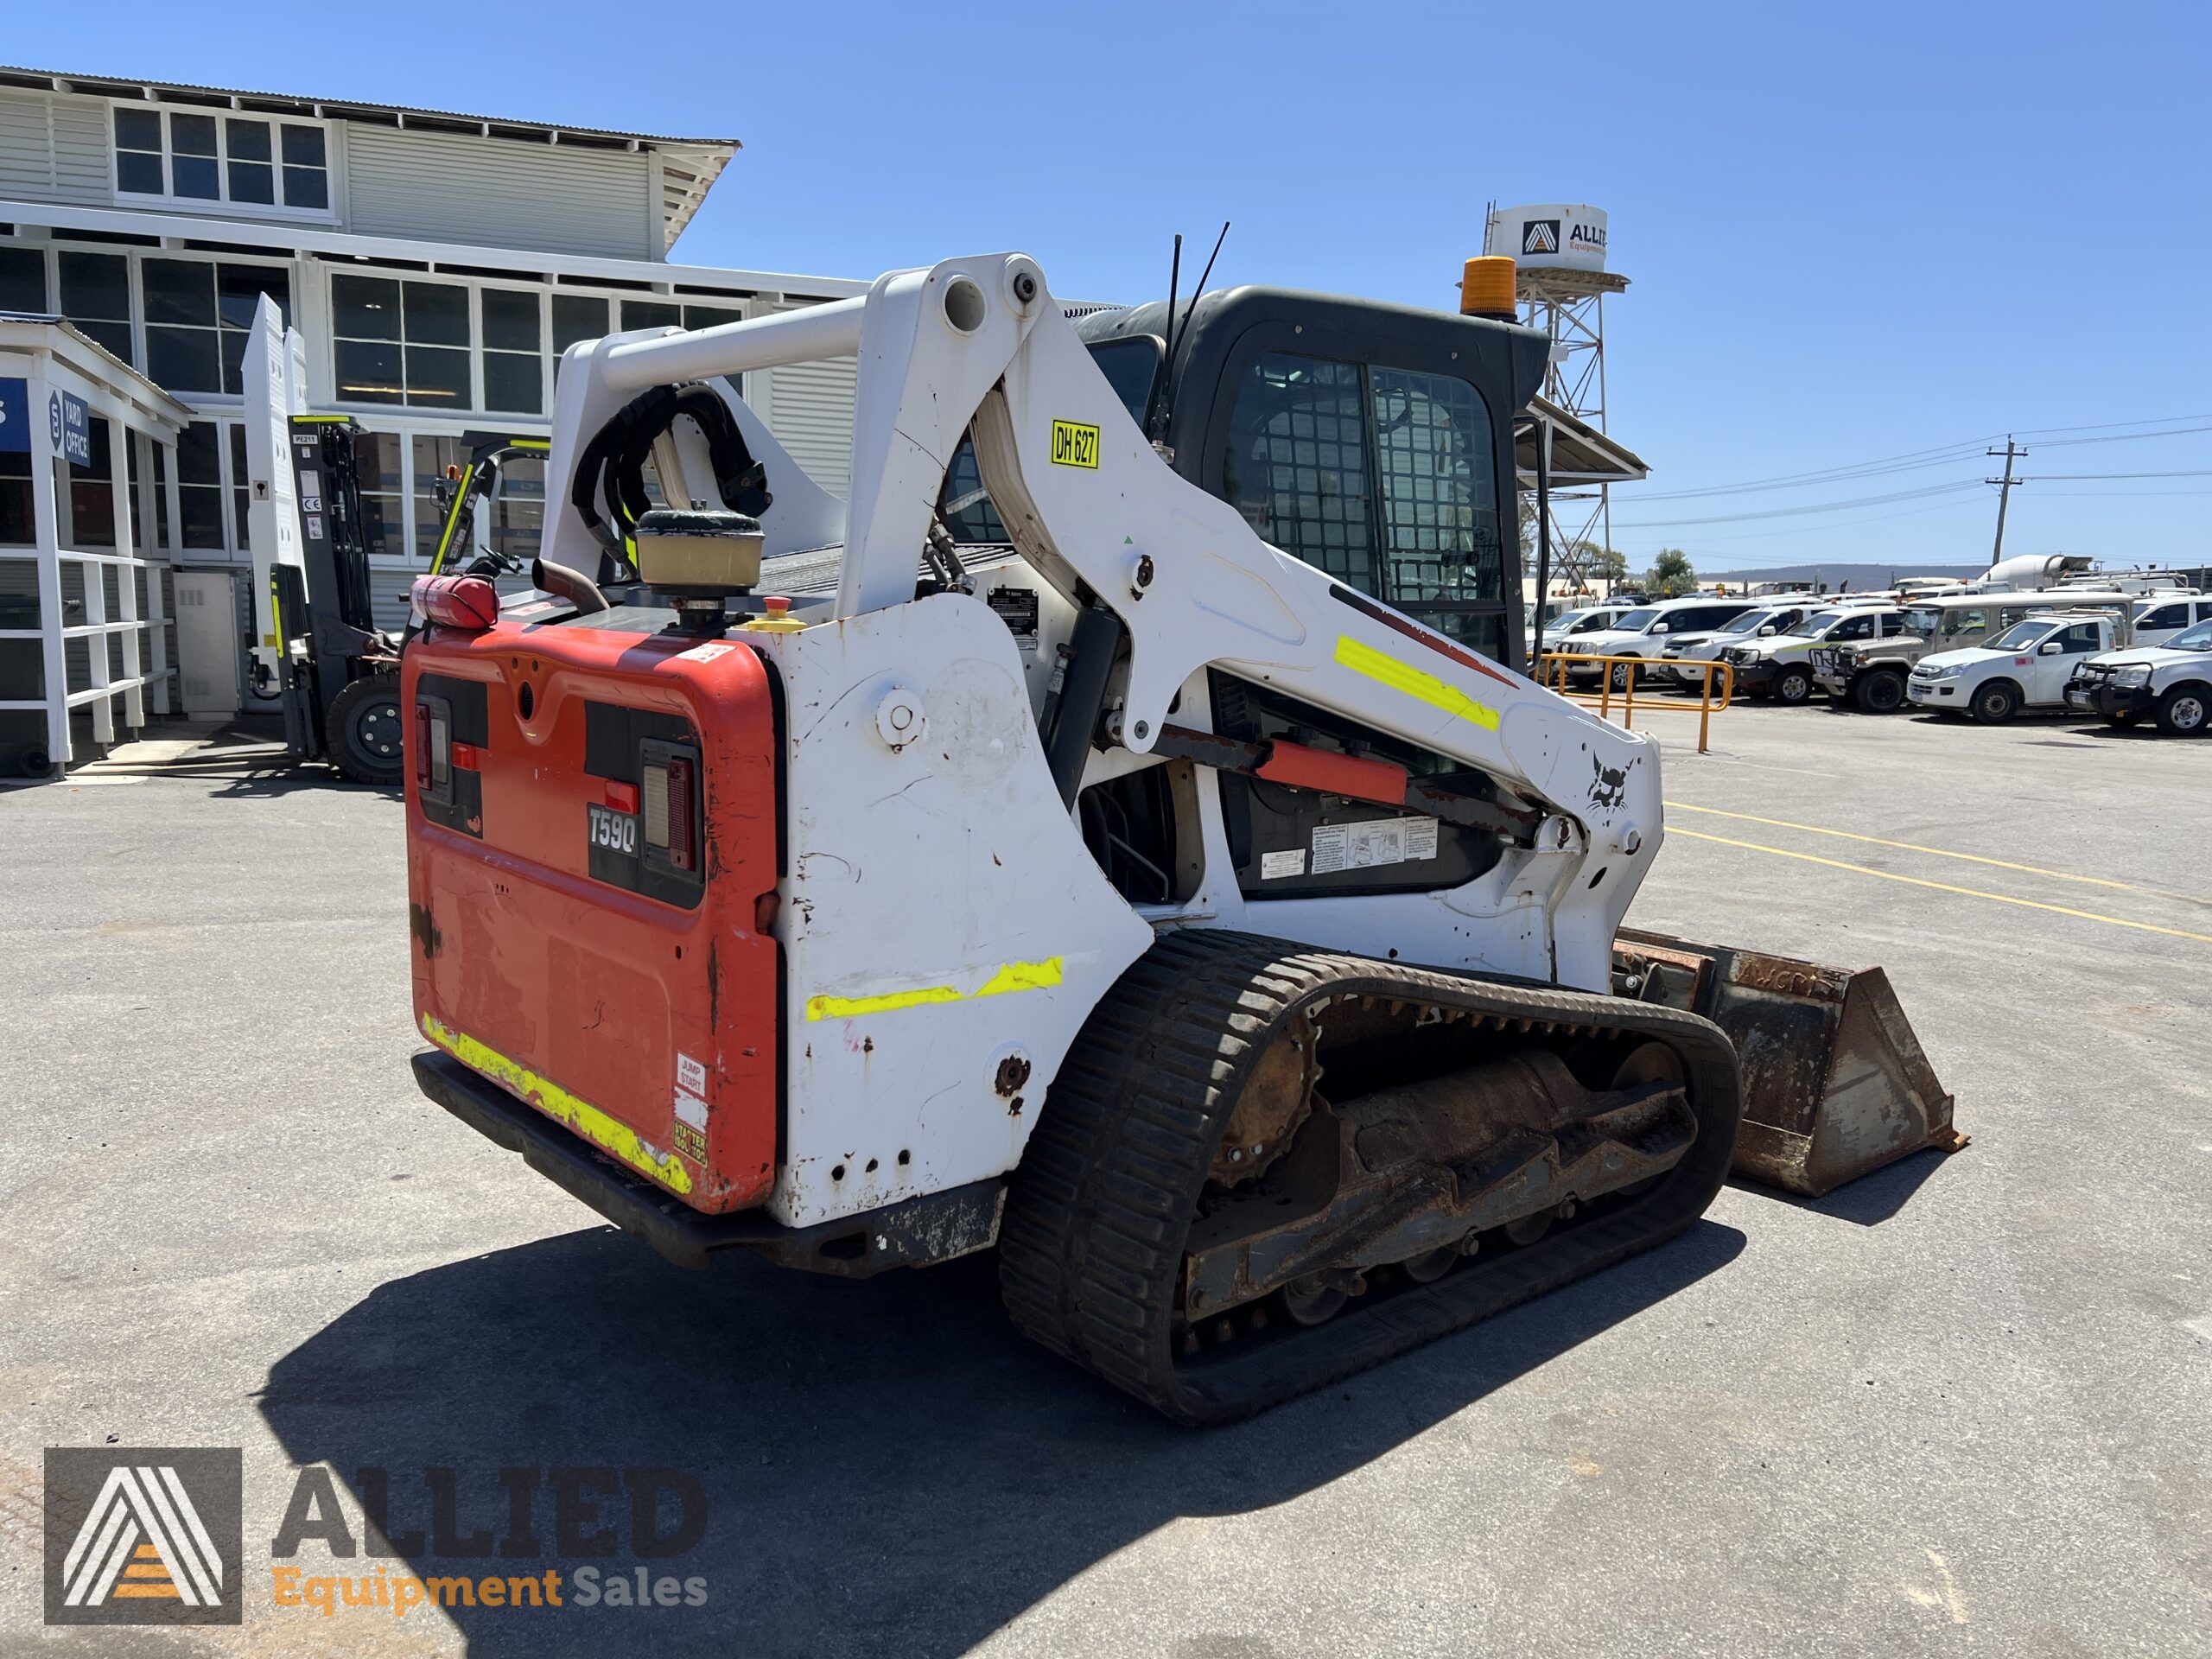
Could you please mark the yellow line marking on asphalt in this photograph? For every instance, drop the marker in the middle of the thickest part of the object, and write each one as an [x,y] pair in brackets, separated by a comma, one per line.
[1945,887]
[1904,846]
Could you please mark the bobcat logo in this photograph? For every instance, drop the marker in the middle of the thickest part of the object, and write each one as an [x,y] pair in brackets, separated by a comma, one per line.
[1609,790]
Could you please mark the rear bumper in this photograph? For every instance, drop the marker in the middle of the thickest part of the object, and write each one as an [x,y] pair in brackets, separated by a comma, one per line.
[934,1228]
[2110,700]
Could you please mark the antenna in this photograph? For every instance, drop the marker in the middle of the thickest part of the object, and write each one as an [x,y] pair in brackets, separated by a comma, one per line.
[1154,415]
[1175,339]
[1175,336]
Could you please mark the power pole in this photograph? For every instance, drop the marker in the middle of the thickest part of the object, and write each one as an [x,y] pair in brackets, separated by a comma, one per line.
[2012,453]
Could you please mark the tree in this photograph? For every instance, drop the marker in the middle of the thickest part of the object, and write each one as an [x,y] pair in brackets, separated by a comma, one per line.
[1670,575]
[1596,563]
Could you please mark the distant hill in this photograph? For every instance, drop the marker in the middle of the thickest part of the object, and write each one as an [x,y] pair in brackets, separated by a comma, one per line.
[1835,576]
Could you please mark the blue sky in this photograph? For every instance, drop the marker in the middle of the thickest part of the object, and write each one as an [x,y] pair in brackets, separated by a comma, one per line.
[1852,232]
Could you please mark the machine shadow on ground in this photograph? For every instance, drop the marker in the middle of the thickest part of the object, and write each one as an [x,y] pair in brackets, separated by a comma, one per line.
[1870,1200]
[891,1468]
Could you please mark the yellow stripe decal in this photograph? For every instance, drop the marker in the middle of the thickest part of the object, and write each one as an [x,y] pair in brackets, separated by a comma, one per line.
[1013,977]
[1386,669]
[611,1136]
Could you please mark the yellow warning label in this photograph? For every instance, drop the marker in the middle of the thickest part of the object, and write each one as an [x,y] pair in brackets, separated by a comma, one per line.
[1075,444]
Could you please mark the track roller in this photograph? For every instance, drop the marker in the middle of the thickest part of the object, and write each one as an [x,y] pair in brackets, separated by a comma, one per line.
[1456,1145]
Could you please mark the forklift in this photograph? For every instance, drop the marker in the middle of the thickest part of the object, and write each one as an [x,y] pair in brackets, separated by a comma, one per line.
[338,673]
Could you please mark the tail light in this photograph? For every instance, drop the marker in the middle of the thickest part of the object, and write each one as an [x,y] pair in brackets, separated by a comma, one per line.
[683,813]
[433,748]
[669,805]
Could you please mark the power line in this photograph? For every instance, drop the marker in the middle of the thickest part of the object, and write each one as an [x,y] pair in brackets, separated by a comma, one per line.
[1767,535]
[2108,426]
[1951,488]
[1920,460]
[2200,472]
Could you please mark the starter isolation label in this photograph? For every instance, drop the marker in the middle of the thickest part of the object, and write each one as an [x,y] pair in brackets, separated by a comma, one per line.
[1364,846]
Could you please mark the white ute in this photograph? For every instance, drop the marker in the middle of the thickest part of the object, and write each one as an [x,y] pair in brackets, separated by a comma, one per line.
[1767,619]
[1645,630]
[2027,666]
[2172,682]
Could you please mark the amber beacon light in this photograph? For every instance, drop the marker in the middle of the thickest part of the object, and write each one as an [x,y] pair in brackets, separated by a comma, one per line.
[1486,287]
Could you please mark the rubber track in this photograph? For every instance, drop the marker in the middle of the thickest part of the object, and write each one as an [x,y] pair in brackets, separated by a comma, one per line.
[1091,1245]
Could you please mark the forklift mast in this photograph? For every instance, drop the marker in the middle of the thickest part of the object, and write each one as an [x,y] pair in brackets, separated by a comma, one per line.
[326,627]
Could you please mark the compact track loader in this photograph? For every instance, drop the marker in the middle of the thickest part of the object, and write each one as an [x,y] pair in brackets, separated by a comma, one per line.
[1119,832]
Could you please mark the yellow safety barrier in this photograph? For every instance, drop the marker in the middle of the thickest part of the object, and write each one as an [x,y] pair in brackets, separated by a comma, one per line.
[1604,699]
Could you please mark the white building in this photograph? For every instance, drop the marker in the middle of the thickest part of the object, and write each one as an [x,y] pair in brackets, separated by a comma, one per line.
[437,265]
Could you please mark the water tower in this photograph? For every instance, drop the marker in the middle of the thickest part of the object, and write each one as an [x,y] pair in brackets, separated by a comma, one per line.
[1560,283]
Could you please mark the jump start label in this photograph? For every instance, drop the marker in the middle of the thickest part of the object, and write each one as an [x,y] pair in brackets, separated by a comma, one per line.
[690,1074]
[1364,846]
[1075,445]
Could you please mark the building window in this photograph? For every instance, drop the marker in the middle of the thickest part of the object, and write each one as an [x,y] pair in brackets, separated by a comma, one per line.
[432,457]
[200,486]
[518,516]
[650,313]
[17,527]
[245,161]
[377,473]
[198,316]
[19,594]
[22,665]
[514,360]
[397,342]
[91,494]
[23,280]
[96,296]
[161,506]
[241,495]
[577,316]
[306,168]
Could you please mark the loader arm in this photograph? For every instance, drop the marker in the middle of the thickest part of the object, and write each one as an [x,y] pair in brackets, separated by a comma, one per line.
[979,344]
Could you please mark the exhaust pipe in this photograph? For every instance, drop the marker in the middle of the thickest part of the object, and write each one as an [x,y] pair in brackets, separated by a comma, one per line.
[1835,1084]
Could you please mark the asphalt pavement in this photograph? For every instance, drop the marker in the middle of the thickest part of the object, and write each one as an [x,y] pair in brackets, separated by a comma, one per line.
[1964,1405]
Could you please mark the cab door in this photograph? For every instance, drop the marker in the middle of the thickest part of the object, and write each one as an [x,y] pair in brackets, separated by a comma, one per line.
[2053,668]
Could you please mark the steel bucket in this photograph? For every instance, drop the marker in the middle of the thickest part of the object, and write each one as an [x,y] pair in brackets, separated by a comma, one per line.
[1835,1082]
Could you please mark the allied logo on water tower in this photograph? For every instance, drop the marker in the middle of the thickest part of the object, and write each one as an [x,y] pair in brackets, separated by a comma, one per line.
[1540,236]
